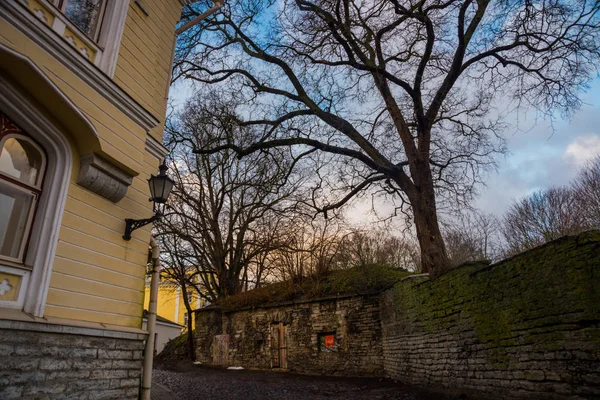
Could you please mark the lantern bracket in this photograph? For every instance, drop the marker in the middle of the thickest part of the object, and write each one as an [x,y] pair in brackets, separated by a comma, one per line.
[160,187]
[133,224]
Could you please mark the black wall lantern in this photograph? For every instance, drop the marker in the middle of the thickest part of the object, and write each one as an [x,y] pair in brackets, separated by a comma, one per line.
[160,188]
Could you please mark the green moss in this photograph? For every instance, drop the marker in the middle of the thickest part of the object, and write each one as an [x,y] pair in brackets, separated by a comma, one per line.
[175,350]
[363,279]
[531,291]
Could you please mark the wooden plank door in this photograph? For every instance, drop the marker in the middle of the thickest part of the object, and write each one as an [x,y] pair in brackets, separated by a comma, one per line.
[282,346]
[279,346]
[221,350]
[275,360]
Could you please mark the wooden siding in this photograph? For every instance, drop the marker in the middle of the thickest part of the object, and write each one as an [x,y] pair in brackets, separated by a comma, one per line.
[144,64]
[120,137]
[95,270]
[97,276]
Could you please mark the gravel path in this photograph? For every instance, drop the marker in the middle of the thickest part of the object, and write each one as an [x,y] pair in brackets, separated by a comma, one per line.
[204,383]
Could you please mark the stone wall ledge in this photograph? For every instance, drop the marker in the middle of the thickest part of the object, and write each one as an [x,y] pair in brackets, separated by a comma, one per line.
[17,320]
[296,302]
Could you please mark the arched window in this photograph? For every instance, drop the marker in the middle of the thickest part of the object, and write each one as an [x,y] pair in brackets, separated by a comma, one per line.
[36,161]
[22,168]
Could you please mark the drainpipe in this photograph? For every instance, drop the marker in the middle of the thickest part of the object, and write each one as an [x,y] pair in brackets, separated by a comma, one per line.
[151,324]
[217,5]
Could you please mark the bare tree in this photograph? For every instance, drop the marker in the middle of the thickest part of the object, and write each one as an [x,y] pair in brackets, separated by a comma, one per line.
[180,270]
[587,192]
[473,236]
[399,93]
[541,217]
[313,248]
[224,211]
[364,247]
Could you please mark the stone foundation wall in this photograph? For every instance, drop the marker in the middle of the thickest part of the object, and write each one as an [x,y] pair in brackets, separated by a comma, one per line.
[208,325]
[43,361]
[354,320]
[527,327]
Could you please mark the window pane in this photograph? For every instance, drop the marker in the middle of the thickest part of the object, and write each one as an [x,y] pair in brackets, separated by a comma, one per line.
[85,14]
[327,343]
[21,160]
[16,206]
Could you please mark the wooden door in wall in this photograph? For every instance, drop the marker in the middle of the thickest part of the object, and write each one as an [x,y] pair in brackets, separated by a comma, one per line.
[221,350]
[279,345]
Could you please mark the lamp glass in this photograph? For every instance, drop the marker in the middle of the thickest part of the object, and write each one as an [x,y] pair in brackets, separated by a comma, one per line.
[160,188]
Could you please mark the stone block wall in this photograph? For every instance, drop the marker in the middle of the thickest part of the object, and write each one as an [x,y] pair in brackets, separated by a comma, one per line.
[208,325]
[354,320]
[43,361]
[527,327]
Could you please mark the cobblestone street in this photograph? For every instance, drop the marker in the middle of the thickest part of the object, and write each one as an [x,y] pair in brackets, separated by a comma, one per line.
[203,383]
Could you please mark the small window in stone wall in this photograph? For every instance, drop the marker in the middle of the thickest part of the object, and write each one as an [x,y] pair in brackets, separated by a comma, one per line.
[259,341]
[327,342]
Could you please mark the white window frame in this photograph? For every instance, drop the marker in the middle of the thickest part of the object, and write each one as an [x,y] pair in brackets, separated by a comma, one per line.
[40,177]
[28,223]
[25,187]
[17,106]
[110,33]
[94,37]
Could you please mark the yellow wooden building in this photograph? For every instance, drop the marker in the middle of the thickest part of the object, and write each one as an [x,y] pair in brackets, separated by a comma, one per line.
[83,91]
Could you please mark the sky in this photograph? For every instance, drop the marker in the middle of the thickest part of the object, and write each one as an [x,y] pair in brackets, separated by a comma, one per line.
[541,154]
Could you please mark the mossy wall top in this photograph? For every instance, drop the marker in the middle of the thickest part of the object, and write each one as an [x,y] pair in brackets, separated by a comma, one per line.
[527,326]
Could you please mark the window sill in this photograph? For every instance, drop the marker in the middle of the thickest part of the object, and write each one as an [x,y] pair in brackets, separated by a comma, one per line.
[62,27]
[14,264]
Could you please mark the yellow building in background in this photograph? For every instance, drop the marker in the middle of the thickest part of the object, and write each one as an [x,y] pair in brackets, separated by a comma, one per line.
[170,303]
[83,89]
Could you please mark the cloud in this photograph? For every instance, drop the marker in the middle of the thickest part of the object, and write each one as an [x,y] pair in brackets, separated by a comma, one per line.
[543,154]
[581,149]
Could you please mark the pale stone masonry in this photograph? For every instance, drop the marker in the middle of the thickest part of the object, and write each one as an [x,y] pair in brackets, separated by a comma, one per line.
[527,327]
[68,362]
[353,320]
[524,328]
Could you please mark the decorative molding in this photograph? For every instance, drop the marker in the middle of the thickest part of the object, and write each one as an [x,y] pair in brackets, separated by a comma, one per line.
[15,104]
[103,178]
[6,287]
[39,326]
[155,148]
[29,78]
[48,40]
[142,7]
[20,288]
[83,48]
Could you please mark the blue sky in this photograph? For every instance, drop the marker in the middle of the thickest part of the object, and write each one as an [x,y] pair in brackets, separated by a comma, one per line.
[541,154]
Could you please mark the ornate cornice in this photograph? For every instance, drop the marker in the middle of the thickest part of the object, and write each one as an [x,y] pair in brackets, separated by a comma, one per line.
[47,39]
[155,148]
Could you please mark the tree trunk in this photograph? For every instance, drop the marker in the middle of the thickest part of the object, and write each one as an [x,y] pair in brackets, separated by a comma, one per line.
[190,323]
[434,259]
